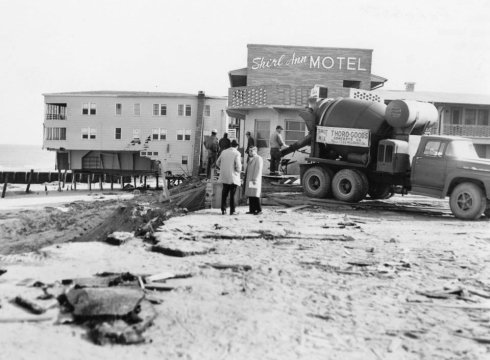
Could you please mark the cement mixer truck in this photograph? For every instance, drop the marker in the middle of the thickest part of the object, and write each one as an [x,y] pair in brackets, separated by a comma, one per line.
[364,148]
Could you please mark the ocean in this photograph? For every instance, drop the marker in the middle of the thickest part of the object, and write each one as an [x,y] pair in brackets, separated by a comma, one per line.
[25,158]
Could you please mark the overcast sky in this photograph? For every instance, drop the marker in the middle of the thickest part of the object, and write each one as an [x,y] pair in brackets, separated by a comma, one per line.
[186,46]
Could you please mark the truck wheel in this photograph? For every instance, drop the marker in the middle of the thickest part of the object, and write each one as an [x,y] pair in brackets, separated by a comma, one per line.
[380,191]
[316,182]
[365,183]
[467,201]
[347,185]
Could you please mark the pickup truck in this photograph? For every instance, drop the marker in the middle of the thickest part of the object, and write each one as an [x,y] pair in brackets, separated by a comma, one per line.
[449,166]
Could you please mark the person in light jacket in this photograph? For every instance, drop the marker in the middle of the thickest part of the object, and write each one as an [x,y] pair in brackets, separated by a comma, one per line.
[230,165]
[253,181]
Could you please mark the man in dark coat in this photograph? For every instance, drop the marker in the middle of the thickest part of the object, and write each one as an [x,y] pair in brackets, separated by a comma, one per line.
[250,144]
[211,145]
[224,143]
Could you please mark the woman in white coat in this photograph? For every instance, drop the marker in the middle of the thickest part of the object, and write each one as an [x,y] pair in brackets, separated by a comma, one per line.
[253,181]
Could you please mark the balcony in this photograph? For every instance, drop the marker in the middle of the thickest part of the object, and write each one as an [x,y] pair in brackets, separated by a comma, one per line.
[55,117]
[472,131]
[249,97]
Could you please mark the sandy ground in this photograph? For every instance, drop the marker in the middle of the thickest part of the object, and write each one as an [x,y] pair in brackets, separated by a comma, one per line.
[308,295]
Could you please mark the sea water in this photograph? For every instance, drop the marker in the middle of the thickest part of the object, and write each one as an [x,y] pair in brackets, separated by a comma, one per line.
[25,158]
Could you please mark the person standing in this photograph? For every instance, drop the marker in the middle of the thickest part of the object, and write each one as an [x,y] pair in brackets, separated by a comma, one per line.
[276,142]
[230,165]
[250,144]
[253,181]
[224,143]
[212,146]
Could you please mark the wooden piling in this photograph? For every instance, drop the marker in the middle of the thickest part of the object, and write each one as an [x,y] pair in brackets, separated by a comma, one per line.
[89,180]
[122,182]
[156,187]
[144,179]
[5,185]
[100,183]
[112,182]
[59,180]
[134,181]
[29,180]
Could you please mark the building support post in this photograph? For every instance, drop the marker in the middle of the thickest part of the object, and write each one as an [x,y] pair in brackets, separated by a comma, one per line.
[112,182]
[5,185]
[100,182]
[89,179]
[59,179]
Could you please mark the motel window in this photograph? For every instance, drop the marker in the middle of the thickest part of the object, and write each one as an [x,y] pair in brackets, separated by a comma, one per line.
[456,117]
[118,109]
[155,109]
[55,133]
[207,110]
[85,109]
[181,110]
[187,110]
[482,117]
[470,116]
[155,153]
[89,133]
[117,134]
[185,159]
[262,133]
[295,130]
[137,109]
[354,84]
[163,109]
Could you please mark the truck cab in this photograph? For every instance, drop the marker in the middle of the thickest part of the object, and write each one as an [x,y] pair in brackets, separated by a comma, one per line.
[449,166]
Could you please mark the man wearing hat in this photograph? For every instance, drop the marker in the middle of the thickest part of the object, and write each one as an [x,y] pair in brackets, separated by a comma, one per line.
[230,166]
[276,142]
[211,145]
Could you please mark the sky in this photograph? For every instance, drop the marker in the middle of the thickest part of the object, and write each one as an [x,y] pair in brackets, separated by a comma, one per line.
[190,45]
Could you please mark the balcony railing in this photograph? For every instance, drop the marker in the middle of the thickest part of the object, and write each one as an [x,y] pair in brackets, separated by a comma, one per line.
[478,131]
[55,117]
[268,95]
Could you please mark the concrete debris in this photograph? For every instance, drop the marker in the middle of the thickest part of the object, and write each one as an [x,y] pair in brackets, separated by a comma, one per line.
[119,238]
[166,276]
[458,293]
[183,248]
[96,302]
[29,305]
[2,271]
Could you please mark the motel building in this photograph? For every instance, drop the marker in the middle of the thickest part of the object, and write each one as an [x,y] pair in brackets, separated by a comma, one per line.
[276,84]
[459,114]
[131,133]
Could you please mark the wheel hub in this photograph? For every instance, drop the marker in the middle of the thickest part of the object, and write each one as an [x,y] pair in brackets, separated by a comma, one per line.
[465,201]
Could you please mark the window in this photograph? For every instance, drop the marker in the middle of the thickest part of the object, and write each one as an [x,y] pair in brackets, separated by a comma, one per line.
[482,117]
[183,135]
[262,133]
[118,109]
[137,109]
[55,133]
[463,149]
[207,110]
[389,153]
[89,133]
[295,130]
[354,84]
[159,134]
[155,153]
[455,117]
[55,111]
[470,117]
[159,109]
[117,134]
[187,110]
[185,159]
[181,110]
[381,153]
[434,148]
[89,109]
[136,134]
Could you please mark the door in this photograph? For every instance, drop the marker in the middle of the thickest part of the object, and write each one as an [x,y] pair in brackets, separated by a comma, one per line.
[429,167]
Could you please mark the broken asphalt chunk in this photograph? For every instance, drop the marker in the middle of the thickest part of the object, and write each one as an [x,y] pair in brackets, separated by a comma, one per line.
[182,249]
[110,301]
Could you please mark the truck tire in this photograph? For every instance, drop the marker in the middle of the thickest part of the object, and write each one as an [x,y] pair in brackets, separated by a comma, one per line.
[380,191]
[467,201]
[316,182]
[365,183]
[347,185]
